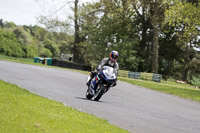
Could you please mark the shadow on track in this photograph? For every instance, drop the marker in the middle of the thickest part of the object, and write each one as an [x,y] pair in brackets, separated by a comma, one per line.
[89,99]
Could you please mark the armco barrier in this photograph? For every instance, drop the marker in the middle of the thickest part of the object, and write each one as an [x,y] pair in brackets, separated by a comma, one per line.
[68,64]
[157,77]
[141,75]
[135,75]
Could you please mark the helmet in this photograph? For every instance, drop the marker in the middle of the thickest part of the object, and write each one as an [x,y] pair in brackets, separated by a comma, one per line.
[114,55]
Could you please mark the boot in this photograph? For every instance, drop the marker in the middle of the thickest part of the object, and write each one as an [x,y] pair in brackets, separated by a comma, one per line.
[88,80]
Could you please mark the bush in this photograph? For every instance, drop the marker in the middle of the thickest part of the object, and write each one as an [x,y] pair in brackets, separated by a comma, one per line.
[9,45]
[195,81]
[44,52]
[30,51]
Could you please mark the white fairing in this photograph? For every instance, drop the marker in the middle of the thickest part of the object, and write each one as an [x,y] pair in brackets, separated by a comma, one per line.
[109,72]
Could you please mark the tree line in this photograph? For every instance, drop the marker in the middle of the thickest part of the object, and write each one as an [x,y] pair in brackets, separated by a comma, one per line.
[157,36]
[30,41]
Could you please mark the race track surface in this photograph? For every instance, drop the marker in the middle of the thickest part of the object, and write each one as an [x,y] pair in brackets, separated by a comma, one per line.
[134,108]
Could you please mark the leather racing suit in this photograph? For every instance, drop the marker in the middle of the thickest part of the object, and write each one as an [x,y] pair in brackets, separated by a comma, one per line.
[104,62]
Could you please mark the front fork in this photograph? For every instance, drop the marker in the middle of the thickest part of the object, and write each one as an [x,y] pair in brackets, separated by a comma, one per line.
[95,85]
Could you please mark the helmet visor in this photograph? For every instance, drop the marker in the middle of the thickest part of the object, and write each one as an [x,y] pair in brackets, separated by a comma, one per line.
[114,56]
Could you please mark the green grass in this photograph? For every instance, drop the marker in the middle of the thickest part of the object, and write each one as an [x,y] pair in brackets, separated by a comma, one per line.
[182,90]
[22,111]
[20,60]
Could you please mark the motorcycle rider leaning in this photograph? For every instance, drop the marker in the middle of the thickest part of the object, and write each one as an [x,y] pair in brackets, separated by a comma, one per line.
[112,62]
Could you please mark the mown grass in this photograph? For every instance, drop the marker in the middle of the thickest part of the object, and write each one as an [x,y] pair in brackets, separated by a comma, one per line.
[182,90]
[22,111]
[20,60]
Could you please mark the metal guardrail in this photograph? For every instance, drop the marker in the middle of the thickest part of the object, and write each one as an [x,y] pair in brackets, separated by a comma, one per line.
[141,75]
[157,77]
[135,75]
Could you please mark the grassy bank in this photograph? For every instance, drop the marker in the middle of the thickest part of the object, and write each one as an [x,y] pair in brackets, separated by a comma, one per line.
[22,111]
[182,90]
[20,60]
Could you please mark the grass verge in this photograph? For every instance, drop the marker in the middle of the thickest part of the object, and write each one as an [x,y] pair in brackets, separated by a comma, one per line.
[182,90]
[22,111]
[20,60]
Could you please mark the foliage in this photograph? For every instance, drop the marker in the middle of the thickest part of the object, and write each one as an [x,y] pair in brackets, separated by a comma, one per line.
[9,44]
[29,41]
[52,47]
[193,76]
[53,24]
[22,36]
[30,51]
[108,28]
[194,65]
[185,16]
[195,81]
[44,52]
[9,24]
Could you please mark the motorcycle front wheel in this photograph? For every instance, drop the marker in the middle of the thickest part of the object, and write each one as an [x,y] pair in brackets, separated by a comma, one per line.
[99,92]
[88,95]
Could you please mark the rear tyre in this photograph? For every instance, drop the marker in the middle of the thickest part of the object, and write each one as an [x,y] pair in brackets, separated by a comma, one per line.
[88,95]
[99,93]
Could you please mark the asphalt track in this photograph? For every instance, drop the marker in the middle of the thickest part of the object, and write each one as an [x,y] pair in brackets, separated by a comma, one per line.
[134,108]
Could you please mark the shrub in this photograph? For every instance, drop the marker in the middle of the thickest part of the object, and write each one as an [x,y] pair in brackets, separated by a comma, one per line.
[195,81]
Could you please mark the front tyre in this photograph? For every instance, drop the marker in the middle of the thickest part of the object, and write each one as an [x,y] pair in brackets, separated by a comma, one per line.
[99,93]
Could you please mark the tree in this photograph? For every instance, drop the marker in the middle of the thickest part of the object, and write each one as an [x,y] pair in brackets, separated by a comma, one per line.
[77,38]
[22,36]
[155,24]
[49,44]
[185,16]
[54,24]
[108,26]
[1,23]
[9,24]
[9,45]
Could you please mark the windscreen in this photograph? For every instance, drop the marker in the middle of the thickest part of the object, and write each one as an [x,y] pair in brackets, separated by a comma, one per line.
[109,69]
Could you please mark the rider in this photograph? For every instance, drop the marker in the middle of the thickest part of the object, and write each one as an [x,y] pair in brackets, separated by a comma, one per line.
[112,62]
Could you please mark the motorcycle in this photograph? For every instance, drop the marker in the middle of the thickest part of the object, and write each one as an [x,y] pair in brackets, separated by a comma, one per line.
[101,83]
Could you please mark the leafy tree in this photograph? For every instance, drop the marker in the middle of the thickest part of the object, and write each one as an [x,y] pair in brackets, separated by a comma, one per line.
[1,23]
[184,16]
[44,52]
[54,24]
[22,36]
[30,51]
[7,24]
[49,44]
[108,26]
[9,44]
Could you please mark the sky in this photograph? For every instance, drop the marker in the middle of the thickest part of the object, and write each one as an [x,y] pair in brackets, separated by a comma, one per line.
[25,12]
